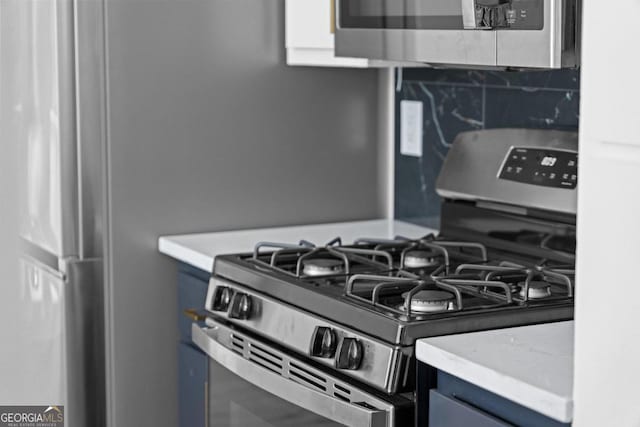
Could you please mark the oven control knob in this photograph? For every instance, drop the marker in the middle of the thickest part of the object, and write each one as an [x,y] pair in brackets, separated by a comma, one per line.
[323,342]
[222,298]
[241,306]
[349,354]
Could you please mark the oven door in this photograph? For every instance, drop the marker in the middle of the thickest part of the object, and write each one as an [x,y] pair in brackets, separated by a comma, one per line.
[502,33]
[252,383]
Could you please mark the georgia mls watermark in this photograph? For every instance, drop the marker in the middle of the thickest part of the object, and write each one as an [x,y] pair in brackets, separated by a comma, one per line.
[31,416]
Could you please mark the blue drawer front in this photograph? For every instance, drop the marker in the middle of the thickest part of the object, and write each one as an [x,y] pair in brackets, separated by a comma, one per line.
[493,404]
[192,292]
[445,411]
[192,385]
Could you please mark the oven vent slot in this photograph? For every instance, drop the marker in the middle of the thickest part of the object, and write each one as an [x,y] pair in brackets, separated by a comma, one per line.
[302,375]
[265,358]
[285,366]
[341,392]
[341,396]
[306,381]
[237,344]
[342,389]
[295,366]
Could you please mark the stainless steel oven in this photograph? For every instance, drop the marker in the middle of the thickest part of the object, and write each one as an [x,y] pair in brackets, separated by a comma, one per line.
[256,383]
[491,33]
[305,334]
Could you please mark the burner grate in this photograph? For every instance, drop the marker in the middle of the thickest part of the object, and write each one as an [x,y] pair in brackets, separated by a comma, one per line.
[526,280]
[434,252]
[395,276]
[389,290]
[291,259]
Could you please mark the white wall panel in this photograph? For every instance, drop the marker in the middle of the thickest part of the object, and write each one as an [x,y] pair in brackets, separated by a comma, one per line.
[607,346]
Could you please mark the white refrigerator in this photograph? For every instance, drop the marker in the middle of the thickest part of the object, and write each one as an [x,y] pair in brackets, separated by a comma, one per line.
[55,299]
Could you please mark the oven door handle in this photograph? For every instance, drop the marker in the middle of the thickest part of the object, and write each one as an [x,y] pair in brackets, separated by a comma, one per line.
[324,405]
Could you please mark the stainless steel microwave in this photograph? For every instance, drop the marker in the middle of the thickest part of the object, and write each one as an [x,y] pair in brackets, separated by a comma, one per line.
[475,33]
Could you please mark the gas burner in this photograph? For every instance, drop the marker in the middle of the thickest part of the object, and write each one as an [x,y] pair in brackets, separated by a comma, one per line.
[306,260]
[537,289]
[543,282]
[429,301]
[420,259]
[322,266]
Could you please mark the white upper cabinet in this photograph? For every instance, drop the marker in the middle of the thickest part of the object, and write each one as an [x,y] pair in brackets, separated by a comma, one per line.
[611,61]
[310,28]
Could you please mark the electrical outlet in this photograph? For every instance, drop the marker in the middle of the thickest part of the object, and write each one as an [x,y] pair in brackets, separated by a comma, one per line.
[411,128]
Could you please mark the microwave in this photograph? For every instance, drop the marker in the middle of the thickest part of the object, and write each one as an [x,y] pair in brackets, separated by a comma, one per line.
[467,33]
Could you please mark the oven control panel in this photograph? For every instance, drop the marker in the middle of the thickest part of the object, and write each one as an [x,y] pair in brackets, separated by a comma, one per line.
[544,167]
[364,358]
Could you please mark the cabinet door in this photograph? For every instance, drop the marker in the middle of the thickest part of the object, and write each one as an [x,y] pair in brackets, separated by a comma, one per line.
[192,386]
[309,24]
[609,73]
[448,412]
[310,38]
[608,212]
[192,292]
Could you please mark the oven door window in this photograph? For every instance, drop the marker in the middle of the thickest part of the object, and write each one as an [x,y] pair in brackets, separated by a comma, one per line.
[401,14]
[234,402]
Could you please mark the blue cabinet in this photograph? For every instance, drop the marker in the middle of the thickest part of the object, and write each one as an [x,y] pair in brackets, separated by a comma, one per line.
[192,386]
[446,411]
[192,363]
[192,292]
[447,401]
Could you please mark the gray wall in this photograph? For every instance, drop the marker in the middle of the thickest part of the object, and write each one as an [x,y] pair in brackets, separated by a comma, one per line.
[209,130]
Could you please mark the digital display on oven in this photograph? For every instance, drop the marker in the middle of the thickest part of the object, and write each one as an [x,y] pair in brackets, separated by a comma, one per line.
[548,168]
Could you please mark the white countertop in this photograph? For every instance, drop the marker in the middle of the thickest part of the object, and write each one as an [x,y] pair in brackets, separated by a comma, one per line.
[530,365]
[199,250]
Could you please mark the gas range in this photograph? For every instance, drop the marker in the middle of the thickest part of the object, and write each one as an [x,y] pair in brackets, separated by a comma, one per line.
[349,314]
[360,308]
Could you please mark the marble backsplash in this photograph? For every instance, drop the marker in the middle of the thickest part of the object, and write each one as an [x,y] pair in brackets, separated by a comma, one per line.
[459,100]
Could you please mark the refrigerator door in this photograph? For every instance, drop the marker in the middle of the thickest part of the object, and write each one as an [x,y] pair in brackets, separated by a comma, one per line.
[61,324]
[35,376]
[43,75]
